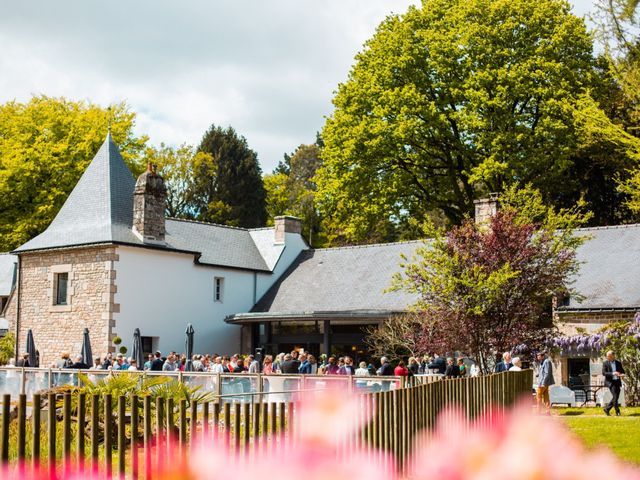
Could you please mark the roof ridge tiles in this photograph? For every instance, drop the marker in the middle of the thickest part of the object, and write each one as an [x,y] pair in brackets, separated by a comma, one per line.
[210,224]
[370,245]
[608,227]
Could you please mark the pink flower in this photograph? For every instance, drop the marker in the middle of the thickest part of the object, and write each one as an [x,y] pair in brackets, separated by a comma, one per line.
[520,446]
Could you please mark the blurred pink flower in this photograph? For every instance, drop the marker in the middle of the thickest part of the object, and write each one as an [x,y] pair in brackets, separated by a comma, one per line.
[516,445]
[519,446]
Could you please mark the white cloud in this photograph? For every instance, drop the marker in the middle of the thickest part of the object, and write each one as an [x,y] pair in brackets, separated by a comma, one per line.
[268,68]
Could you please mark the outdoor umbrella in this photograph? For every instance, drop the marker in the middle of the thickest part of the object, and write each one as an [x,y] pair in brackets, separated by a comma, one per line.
[87,355]
[189,348]
[136,351]
[31,350]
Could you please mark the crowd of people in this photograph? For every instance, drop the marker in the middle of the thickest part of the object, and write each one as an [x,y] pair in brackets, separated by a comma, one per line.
[296,362]
[301,362]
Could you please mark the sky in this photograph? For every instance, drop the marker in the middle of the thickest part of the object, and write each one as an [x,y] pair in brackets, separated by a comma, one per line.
[269,68]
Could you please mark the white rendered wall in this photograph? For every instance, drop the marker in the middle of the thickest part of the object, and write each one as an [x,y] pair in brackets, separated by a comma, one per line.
[160,292]
[294,244]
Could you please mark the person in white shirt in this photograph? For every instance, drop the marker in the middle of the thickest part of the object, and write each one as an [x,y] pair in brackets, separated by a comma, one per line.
[216,366]
[517,365]
[362,370]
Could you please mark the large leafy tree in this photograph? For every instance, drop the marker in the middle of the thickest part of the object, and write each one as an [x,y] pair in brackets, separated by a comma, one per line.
[176,166]
[45,146]
[227,183]
[291,189]
[450,101]
[487,288]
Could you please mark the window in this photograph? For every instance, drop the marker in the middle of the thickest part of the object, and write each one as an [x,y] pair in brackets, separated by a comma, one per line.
[62,282]
[218,289]
[147,344]
[61,289]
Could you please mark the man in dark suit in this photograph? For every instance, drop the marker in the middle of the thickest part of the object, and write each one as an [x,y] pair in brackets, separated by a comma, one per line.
[505,364]
[158,363]
[613,373]
[290,365]
[439,364]
[79,364]
[452,371]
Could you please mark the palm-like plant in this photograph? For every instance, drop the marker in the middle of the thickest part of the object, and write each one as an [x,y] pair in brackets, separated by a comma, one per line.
[127,385]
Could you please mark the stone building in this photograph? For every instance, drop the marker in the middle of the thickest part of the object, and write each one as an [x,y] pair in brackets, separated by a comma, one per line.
[110,261]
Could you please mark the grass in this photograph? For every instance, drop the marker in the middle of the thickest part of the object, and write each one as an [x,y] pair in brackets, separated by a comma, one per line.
[620,434]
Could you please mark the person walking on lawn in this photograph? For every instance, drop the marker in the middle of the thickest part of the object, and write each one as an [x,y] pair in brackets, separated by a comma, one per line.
[613,373]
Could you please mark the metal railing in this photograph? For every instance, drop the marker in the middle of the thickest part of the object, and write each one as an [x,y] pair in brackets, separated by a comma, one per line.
[18,380]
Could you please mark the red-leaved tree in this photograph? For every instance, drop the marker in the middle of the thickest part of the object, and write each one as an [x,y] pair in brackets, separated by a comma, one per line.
[488,288]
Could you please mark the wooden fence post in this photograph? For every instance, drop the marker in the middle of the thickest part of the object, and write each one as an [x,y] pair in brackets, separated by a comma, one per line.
[134,435]
[182,432]
[108,434]
[95,430]
[22,426]
[81,421]
[37,425]
[51,434]
[236,428]
[6,409]
[122,434]
[193,436]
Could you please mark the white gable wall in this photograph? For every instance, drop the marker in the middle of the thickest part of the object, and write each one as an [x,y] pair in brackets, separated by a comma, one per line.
[160,292]
[294,244]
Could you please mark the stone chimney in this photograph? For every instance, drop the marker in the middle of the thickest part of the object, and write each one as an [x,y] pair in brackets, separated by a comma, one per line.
[149,201]
[284,225]
[486,208]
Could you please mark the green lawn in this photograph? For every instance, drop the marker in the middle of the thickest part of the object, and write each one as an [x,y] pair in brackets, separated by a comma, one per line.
[620,434]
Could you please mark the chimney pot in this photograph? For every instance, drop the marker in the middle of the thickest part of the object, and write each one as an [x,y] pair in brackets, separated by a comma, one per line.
[149,202]
[284,225]
[486,208]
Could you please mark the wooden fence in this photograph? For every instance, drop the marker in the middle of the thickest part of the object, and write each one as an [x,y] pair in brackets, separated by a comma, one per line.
[121,434]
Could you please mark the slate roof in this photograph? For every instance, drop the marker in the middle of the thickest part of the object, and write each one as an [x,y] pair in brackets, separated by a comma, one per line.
[609,275]
[99,210]
[216,244]
[7,273]
[341,279]
[353,279]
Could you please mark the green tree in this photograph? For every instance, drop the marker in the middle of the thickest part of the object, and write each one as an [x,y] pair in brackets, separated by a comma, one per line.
[175,165]
[45,146]
[487,288]
[448,102]
[227,185]
[291,189]
[7,346]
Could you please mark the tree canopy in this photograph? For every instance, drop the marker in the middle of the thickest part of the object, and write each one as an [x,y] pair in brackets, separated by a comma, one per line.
[291,190]
[227,182]
[45,146]
[451,101]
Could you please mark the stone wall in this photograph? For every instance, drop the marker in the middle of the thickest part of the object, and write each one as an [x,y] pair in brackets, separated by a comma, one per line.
[569,323]
[91,290]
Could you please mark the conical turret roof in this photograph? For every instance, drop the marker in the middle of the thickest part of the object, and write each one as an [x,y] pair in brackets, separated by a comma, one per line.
[98,210]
